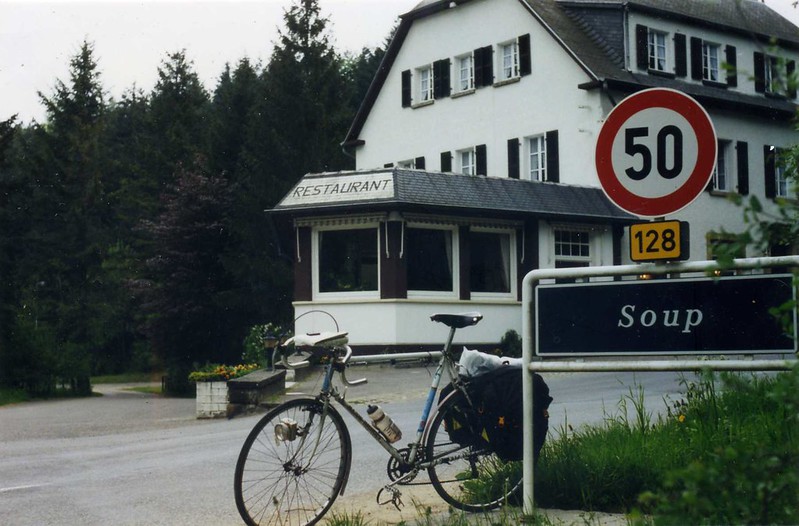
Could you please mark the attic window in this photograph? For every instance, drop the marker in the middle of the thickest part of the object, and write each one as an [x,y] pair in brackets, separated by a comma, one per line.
[510,60]
[465,64]
[711,61]
[425,86]
[657,50]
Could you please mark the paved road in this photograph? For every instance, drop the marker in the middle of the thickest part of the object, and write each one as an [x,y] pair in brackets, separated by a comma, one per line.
[129,458]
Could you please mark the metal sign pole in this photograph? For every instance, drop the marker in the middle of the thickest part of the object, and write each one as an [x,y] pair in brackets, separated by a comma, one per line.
[532,362]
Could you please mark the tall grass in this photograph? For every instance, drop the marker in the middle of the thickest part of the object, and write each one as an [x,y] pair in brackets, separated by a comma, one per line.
[728,452]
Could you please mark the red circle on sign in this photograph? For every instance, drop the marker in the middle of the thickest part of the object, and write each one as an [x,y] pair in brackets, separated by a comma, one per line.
[696,182]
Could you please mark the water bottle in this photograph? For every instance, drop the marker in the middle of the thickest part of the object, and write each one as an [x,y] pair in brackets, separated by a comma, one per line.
[384,424]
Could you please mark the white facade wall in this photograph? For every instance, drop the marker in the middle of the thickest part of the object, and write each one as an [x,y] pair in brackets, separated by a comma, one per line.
[407,322]
[548,99]
[714,212]
[490,115]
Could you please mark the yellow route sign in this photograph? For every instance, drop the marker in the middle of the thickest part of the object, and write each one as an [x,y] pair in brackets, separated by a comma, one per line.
[659,241]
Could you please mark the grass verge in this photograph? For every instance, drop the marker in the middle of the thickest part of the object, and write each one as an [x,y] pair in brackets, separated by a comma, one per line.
[12,396]
[726,453]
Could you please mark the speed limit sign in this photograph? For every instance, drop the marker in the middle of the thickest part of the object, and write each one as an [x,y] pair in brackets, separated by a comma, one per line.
[656,152]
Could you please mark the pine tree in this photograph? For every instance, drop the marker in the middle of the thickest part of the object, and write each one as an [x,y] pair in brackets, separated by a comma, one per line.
[60,169]
[178,117]
[303,110]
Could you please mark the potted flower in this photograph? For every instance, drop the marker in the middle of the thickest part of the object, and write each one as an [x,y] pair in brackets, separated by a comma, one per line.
[212,390]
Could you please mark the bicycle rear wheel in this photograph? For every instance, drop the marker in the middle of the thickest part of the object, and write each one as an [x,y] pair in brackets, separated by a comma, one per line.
[293,465]
[465,472]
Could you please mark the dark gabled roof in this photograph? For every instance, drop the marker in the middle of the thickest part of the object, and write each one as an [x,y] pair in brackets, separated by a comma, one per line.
[469,195]
[599,53]
[749,17]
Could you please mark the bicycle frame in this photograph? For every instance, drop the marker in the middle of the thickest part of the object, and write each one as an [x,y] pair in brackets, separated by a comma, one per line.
[445,363]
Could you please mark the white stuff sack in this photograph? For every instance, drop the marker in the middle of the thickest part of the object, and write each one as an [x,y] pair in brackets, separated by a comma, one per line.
[475,363]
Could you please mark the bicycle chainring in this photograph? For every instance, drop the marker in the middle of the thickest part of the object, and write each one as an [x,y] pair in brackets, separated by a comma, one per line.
[397,469]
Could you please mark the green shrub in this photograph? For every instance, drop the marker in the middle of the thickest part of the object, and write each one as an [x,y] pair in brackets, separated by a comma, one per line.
[255,350]
[748,469]
[726,453]
[511,344]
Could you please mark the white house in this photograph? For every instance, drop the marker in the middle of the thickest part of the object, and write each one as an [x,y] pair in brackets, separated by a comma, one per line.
[475,154]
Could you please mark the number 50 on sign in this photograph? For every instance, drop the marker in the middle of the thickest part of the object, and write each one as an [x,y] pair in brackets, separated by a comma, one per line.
[659,241]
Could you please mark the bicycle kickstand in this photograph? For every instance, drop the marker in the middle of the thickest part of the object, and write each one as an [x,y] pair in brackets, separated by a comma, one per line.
[396,497]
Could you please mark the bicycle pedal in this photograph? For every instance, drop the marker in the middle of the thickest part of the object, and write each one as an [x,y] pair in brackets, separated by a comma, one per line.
[395,498]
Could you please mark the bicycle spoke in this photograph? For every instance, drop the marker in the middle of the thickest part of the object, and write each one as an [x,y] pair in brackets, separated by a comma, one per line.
[294,480]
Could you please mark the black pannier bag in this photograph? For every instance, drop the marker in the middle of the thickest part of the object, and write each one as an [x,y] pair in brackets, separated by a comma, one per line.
[497,421]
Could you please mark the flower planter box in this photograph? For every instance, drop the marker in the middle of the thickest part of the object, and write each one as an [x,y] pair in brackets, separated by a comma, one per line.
[212,399]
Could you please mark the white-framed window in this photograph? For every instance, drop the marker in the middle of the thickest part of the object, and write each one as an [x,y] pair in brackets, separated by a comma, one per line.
[492,262]
[658,56]
[722,174]
[711,61]
[781,184]
[409,164]
[465,64]
[466,161]
[572,245]
[432,259]
[346,260]
[774,81]
[425,83]
[509,57]
[536,154]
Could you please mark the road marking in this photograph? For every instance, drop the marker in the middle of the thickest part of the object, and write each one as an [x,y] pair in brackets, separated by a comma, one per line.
[19,488]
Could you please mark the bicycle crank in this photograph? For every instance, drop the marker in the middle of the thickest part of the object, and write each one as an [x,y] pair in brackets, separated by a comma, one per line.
[402,472]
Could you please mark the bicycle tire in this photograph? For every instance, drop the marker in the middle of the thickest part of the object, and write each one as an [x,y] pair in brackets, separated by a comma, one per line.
[292,481]
[467,475]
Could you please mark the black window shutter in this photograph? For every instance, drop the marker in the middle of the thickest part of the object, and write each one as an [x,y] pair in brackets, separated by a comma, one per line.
[525,59]
[760,72]
[480,162]
[790,67]
[731,56]
[770,172]
[441,86]
[406,88]
[446,162]
[388,165]
[742,153]
[513,158]
[696,58]
[418,163]
[483,66]
[553,169]
[680,65]
[642,46]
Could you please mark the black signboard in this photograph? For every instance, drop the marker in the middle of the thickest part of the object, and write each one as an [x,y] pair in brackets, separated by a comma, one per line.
[726,315]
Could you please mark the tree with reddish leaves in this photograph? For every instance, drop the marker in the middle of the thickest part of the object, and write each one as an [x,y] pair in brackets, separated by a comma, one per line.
[186,286]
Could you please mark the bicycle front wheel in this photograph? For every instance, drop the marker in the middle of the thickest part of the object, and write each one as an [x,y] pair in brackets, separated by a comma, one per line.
[293,465]
[464,471]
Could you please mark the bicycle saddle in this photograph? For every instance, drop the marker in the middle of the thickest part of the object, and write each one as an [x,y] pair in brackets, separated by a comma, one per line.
[458,321]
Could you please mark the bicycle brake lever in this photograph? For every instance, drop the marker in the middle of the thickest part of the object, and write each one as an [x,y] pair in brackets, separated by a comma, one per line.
[353,383]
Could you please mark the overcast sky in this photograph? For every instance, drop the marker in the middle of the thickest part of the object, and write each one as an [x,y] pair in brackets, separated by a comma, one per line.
[131,39]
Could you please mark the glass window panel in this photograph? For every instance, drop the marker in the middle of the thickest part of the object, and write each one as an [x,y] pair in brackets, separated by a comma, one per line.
[489,269]
[429,254]
[348,260]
